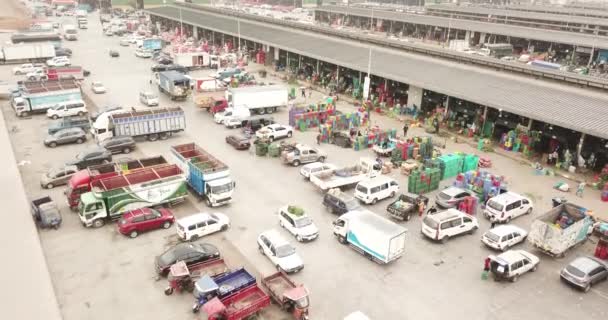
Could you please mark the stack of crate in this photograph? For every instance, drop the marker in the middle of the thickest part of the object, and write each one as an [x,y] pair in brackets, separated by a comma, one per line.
[420,182]
[453,164]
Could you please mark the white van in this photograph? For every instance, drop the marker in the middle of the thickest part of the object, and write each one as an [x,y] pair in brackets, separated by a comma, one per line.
[192,227]
[507,206]
[67,109]
[230,114]
[371,190]
[449,223]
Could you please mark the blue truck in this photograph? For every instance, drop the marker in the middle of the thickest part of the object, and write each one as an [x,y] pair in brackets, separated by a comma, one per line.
[174,84]
[152,44]
[207,288]
[37,97]
[207,176]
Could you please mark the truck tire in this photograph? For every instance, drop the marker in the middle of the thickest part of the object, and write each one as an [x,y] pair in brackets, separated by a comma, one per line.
[261,111]
[99,223]
[341,239]
[289,134]
[24,114]
[55,117]
[153,137]
[208,203]
[296,163]
[268,110]
[49,186]
[80,114]
[271,138]
[126,150]
[164,136]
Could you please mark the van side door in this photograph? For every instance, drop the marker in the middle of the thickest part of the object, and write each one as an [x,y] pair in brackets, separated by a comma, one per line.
[457,226]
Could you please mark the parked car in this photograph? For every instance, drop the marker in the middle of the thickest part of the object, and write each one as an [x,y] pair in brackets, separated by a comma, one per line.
[25,69]
[190,253]
[143,53]
[584,272]
[507,206]
[238,142]
[66,136]
[447,224]
[134,222]
[315,167]
[114,54]
[274,131]
[97,87]
[198,225]
[67,109]
[504,237]
[119,144]
[109,33]
[91,156]
[512,264]
[280,253]
[254,125]
[338,202]
[300,225]
[302,153]
[57,176]
[58,62]
[63,52]
[451,197]
[148,98]
[124,42]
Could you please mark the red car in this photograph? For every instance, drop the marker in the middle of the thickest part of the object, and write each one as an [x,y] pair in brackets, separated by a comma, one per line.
[136,221]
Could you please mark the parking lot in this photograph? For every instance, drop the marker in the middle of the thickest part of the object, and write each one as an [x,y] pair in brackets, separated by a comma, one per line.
[100,274]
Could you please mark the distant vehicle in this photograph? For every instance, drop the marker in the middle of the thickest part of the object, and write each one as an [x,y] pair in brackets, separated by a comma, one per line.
[280,253]
[584,272]
[25,69]
[97,87]
[67,109]
[91,156]
[70,32]
[138,221]
[69,122]
[238,142]
[119,144]
[504,237]
[124,42]
[299,225]
[148,98]
[451,197]
[114,54]
[274,131]
[153,124]
[46,213]
[315,167]
[447,224]
[143,53]
[372,190]
[57,176]
[66,136]
[174,84]
[109,33]
[63,52]
[512,264]
[58,62]
[507,206]
[26,52]
[193,227]
[190,253]
[302,154]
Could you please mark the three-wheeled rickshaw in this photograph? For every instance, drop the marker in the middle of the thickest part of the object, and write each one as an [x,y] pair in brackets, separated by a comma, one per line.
[182,278]
[289,296]
[206,288]
[46,213]
[238,306]
[405,205]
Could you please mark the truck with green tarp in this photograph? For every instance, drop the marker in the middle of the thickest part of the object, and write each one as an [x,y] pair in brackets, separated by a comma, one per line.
[148,187]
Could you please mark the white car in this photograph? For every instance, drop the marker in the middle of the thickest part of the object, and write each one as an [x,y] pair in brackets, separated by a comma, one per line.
[98,87]
[512,264]
[507,206]
[300,225]
[315,167]
[148,98]
[37,74]
[109,32]
[504,237]
[58,62]
[67,109]
[25,68]
[274,131]
[282,254]
[143,53]
[198,225]
[124,42]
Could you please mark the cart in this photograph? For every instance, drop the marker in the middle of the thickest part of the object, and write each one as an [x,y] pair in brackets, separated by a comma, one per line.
[182,278]
[289,296]
[238,306]
[222,286]
[383,152]
[46,213]
[405,205]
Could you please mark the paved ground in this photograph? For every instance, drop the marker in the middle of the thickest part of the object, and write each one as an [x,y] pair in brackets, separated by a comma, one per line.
[99,274]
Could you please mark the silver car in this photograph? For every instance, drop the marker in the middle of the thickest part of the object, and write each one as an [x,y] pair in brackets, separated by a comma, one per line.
[57,176]
[450,197]
[65,136]
[584,272]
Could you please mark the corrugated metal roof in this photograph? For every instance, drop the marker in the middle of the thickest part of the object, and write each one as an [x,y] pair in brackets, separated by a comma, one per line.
[577,109]
[579,39]
[560,10]
[522,14]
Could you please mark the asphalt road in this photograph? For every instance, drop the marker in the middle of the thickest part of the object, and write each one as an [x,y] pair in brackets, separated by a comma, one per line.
[98,274]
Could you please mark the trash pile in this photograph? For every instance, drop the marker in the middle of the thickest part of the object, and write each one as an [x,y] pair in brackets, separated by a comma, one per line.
[483,183]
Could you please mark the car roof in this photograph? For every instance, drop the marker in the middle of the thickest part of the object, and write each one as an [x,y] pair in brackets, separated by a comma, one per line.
[275,237]
[585,264]
[194,218]
[452,191]
[514,255]
[304,214]
[447,214]
[75,129]
[376,180]
[507,197]
[504,229]
[136,212]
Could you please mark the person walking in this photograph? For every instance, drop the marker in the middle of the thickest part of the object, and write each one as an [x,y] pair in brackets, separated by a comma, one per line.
[303,92]
[319,138]
[405,128]
[421,208]
[486,268]
[493,223]
[580,189]
[436,125]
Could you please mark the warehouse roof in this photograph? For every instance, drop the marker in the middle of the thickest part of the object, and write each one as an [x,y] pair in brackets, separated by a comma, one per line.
[579,39]
[522,14]
[560,10]
[577,109]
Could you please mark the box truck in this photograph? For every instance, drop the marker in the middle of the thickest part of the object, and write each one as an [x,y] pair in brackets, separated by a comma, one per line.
[174,84]
[258,99]
[28,52]
[37,96]
[375,237]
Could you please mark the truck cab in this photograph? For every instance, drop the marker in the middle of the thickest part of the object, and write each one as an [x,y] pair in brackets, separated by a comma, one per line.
[91,210]
[219,191]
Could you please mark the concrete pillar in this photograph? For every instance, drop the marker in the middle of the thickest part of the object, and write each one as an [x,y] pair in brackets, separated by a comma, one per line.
[318,69]
[579,148]
[485,118]
[447,105]
[287,62]
[212,37]
[195,32]
[299,61]
[530,124]
[482,38]
[590,57]
[467,36]
[414,97]
[223,39]
[337,74]
[359,77]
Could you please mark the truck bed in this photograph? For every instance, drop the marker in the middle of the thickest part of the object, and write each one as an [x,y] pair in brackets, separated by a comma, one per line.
[212,268]
[278,283]
[338,177]
[246,302]
[233,281]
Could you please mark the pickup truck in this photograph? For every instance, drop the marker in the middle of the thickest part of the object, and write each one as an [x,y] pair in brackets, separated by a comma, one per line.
[405,205]
[302,154]
[342,177]
[46,213]
[70,122]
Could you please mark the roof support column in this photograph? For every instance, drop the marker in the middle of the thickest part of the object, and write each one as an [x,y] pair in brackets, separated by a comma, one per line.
[591,56]
[579,147]
[195,32]
[447,106]
[530,124]
[414,97]
[485,118]
[318,70]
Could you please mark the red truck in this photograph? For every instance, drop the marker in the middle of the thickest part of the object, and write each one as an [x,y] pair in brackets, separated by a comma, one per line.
[57,73]
[238,306]
[82,180]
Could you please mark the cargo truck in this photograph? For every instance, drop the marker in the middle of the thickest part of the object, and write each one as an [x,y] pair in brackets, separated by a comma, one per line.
[148,187]
[373,236]
[38,96]
[346,176]
[174,84]
[222,286]
[29,52]
[560,229]
[258,99]
[30,37]
[82,180]
[194,60]
[152,44]
[57,73]
[206,175]
[153,124]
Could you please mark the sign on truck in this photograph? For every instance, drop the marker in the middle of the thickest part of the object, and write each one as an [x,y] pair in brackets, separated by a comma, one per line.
[373,236]
[560,229]
[111,197]
[154,124]
[152,44]
[208,176]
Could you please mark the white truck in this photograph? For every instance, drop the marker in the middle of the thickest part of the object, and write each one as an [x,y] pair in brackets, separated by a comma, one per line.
[28,52]
[154,124]
[193,60]
[560,229]
[373,236]
[70,32]
[258,99]
[345,176]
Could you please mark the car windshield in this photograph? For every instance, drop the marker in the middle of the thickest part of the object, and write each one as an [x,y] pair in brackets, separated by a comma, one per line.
[303,222]
[174,253]
[492,236]
[351,204]
[53,172]
[575,271]
[444,196]
[221,189]
[285,250]
[302,303]
[495,205]
[361,189]
[150,96]
[430,222]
